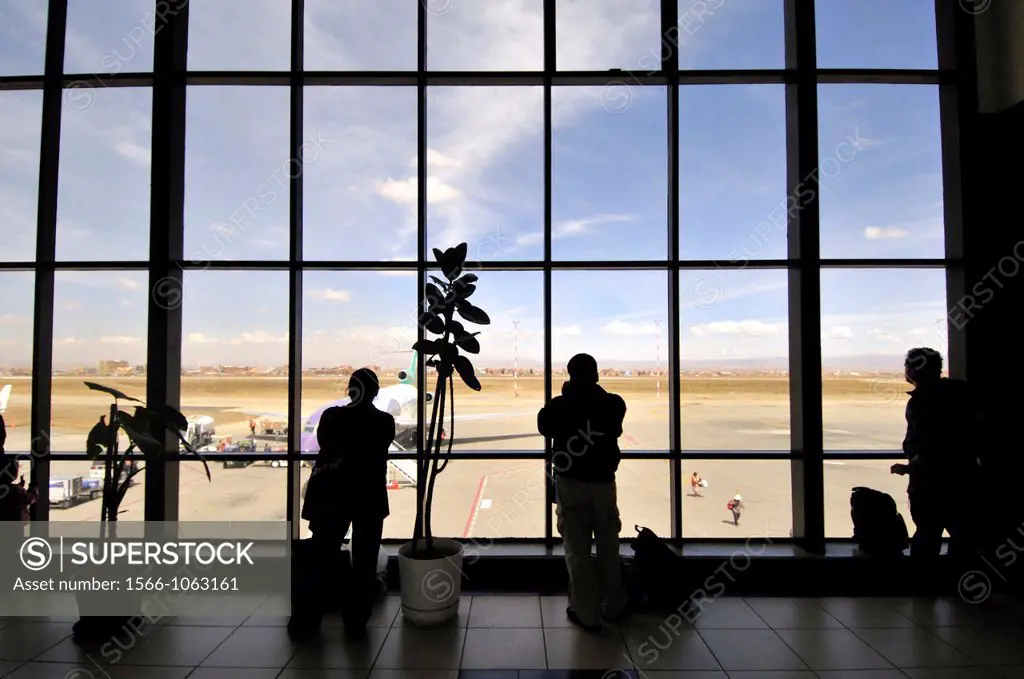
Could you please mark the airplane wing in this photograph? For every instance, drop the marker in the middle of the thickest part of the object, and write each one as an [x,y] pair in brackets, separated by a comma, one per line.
[5,394]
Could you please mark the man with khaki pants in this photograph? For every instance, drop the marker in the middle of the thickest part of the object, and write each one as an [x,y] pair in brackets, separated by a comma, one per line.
[585,423]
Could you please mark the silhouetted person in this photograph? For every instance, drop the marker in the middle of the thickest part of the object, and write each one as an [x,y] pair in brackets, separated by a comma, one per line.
[15,500]
[355,440]
[735,506]
[943,469]
[585,423]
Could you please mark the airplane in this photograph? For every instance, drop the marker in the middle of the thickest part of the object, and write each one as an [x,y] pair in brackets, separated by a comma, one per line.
[5,395]
[401,401]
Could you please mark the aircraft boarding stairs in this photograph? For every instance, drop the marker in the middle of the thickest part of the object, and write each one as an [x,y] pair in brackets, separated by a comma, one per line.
[401,473]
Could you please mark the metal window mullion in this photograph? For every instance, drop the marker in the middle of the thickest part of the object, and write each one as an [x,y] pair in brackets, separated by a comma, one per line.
[166,246]
[550,66]
[46,248]
[804,279]
[670,65]
[421,241]
[295,273]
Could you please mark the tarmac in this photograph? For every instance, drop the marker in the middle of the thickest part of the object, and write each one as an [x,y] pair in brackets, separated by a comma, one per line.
[487,499]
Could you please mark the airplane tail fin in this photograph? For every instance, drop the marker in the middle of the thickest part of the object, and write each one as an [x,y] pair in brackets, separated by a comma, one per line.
[5,395]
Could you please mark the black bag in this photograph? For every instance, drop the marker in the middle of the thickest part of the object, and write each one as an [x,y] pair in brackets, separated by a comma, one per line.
[878,527]
[319,579]
[654,580]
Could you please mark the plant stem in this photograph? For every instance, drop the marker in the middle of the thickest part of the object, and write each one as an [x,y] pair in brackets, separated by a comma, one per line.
[421,472]
[450,384]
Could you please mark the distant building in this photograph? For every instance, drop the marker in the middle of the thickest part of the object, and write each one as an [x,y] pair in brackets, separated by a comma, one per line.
[113,367]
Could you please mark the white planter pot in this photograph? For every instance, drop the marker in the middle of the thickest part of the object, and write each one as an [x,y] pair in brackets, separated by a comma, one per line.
[431,588]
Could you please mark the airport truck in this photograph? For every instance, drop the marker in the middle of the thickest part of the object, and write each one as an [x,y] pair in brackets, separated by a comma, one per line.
[200,431]
[67,491]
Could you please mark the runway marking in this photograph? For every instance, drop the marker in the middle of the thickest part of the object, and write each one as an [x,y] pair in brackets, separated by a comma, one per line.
[471,521]
[485,504]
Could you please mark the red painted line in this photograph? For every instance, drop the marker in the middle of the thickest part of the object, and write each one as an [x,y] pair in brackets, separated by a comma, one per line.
[476,506]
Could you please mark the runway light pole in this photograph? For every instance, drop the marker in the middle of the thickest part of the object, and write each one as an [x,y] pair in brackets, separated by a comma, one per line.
[515,359]
[657,358]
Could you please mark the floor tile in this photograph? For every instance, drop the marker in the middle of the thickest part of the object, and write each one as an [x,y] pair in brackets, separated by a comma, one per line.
[27,640]
[941,612]
[504,648]
[552,611]
[679,674]
[410,674]
[205,620]
[461,620]
[178,646]
[784,613]
[833,649]
[409,647]
[985,645]
[1008,672]
[384,614]
[728,613]
[505,611]
[669,649]
[333,651]
[571,649]
[751,650]
[234,673]
[865,613]
[773,674]
[861,674]
[254,647]
[950,673]
[490,674]
[40,670]
[6,667]
[649,624]
[915,647]
[303,673]
[117,649]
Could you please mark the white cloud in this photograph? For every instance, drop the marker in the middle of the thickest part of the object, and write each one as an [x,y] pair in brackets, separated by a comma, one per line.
[403,191]
[67,341]
[437,160]
[9,318]
[883,335]
[572,228]
[884,232]
[568,330]
[129,284]
[333,295]
[839,332]
[120,339]
[134,153]
[630,329]
[199,338]
[259,337]
[749,328]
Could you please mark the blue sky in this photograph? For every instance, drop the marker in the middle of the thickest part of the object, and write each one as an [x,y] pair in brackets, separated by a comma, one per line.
[880,184]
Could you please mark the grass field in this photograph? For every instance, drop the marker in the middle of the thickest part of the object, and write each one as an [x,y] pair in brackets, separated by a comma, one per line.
[76,407]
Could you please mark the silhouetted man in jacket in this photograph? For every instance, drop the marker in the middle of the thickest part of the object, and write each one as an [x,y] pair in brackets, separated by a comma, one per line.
[348,488]
[939,445]
[585,423]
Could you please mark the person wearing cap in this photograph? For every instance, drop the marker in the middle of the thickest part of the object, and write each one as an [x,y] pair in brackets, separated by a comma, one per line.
[585,423]
[735,506]
[348,488]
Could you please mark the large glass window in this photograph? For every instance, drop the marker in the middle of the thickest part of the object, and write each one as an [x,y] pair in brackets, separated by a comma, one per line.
[19,174]
[656,253]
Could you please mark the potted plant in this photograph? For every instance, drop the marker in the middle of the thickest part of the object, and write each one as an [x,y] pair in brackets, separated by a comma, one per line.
[146,430]
[430,568]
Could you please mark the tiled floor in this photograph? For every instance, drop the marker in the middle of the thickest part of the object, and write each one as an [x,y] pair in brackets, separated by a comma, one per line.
[528,637]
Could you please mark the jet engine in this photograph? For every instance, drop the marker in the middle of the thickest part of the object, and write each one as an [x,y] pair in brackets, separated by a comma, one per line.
[428,397]
[402,376]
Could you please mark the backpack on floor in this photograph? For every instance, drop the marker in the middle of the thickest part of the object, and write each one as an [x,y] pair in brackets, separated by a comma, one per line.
[878,527]
[654,580]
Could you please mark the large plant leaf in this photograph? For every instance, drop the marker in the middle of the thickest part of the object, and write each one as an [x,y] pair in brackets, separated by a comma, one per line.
[464,291]
[426,347]
[452,261]
[457,329]
[438,255]
[468,278]
[473,314]
[468,343]
[466,372]
[438,282]
[433,297]
[121,396]
[447,352]
[432,323]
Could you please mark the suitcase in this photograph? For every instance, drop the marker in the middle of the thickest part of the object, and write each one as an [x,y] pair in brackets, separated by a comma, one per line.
[654,578]
[878,527]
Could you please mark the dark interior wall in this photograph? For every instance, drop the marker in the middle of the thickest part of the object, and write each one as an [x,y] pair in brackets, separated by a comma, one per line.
[990,312]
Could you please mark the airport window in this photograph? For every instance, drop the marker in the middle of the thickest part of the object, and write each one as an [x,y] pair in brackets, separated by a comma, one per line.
[237,140]
[99,330]
[850,34]
[734,360]
[870,318]
[297,191]
[723,34]
[880,172]
[732,173]
[19,175]
[234,392]
[109,36]
[485,166]
[359,174]
[16,302]
[608,173]
[504,36]
[105,143]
